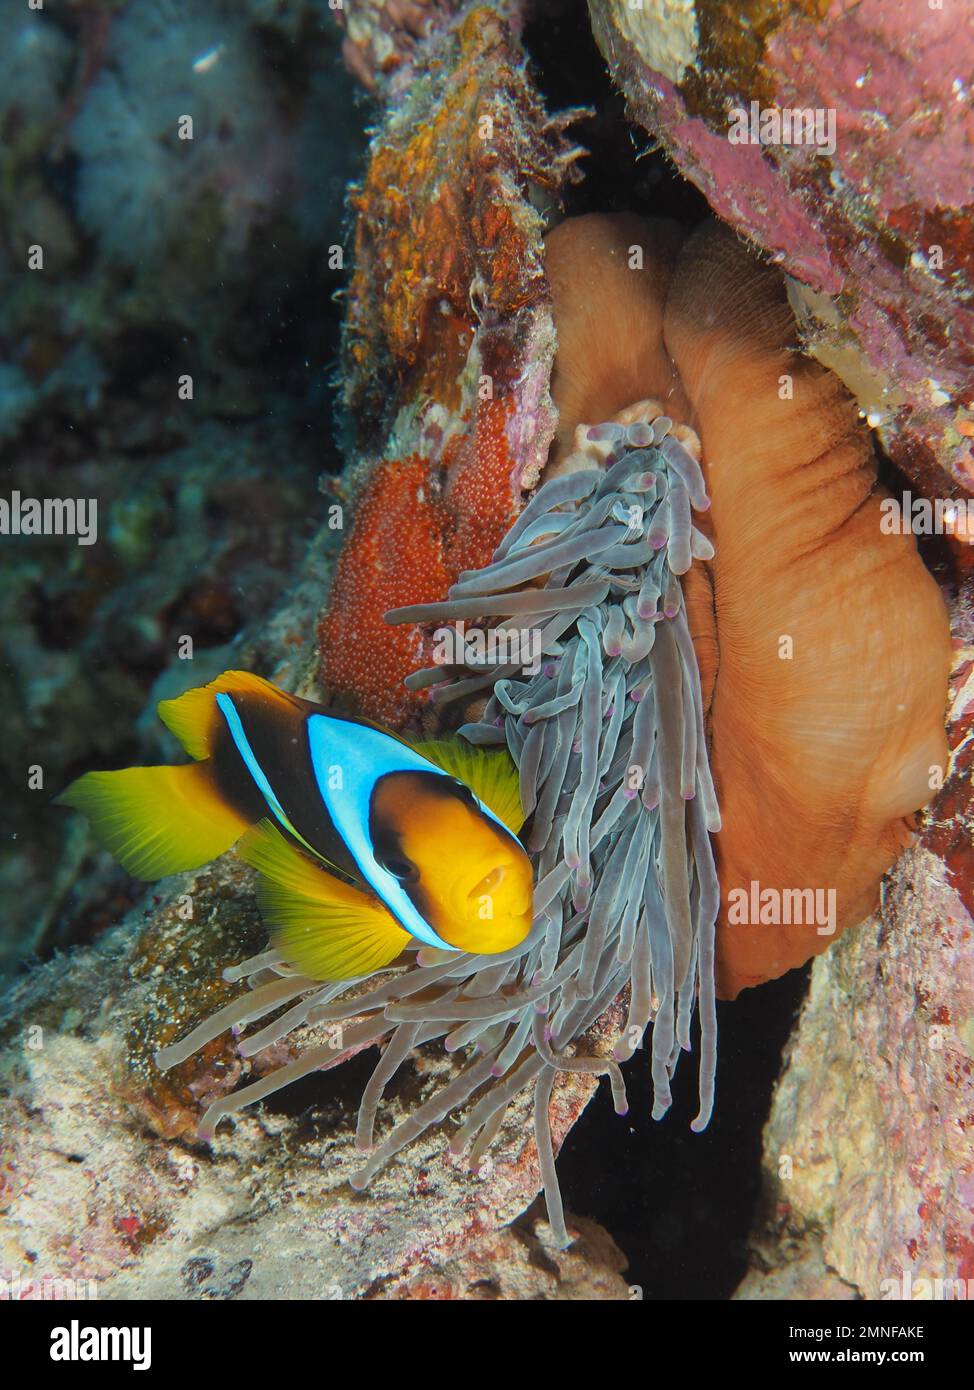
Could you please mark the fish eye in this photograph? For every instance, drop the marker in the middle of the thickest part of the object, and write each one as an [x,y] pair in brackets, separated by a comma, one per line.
[400,867]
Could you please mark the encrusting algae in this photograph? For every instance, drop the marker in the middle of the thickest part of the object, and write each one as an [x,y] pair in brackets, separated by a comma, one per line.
[447,346]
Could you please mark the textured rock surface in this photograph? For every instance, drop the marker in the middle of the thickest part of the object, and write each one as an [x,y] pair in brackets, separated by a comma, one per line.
[877,233]
[448,341]
[869,1164]
[100,1174]
[95,1183]
[380,38]
[519,1262]
[804,1276]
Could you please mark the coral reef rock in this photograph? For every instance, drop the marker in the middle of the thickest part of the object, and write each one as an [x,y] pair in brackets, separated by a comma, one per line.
[100,1177]
[448,343]
[866,202]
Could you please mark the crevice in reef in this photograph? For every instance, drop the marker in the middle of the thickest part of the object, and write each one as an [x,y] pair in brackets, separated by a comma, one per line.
[623,171]
[680,1205]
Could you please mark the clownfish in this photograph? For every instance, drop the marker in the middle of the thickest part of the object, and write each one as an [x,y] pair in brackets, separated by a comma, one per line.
[364,842]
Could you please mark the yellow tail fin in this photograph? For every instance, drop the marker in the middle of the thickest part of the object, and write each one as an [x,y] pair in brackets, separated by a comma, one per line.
[193,717]
[156,820]
[322,926]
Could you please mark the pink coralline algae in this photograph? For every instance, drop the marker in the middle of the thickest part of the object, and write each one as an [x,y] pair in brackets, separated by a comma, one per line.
[897,76]
[875,227]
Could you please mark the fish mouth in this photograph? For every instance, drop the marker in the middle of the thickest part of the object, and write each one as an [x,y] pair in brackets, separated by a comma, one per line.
[497,879]
[489,884]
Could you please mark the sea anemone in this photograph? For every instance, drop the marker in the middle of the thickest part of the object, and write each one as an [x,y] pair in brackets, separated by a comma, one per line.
[823,644]
[608,732]
[803,657]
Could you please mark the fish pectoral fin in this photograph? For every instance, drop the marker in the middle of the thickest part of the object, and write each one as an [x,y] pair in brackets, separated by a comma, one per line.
[327,929]
[194,717]
[156,820]
[490,773]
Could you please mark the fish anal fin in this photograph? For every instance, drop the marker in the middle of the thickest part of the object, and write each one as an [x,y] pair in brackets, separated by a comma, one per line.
[324,927]
[156,820]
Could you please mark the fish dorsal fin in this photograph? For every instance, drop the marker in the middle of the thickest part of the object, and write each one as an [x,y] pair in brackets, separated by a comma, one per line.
[194,718]
[327,929]
[156,820]
[490,774]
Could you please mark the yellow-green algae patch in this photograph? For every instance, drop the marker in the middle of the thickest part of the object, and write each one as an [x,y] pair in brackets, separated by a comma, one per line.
[180,957]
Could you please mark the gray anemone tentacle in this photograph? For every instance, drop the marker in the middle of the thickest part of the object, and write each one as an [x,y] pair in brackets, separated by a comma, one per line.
[606,724]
